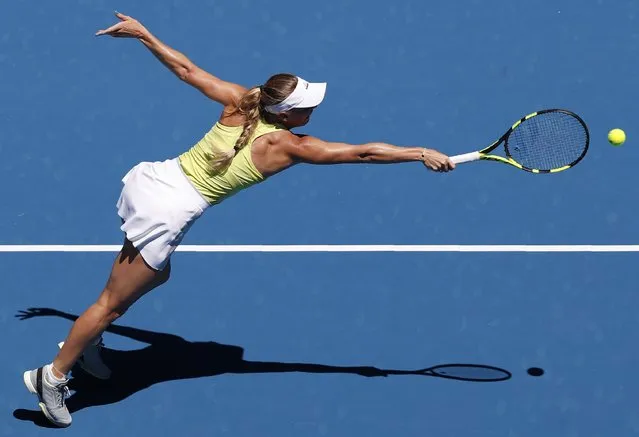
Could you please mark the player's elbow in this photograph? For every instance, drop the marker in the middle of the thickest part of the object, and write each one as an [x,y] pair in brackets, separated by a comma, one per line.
[185,73]
[353,155]
[188,72]
[366,153]
[364,156]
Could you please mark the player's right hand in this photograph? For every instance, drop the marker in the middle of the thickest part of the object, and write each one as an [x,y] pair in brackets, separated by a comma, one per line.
[437,161]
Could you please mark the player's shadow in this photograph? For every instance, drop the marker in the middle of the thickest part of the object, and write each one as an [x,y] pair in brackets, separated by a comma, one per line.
[169,357]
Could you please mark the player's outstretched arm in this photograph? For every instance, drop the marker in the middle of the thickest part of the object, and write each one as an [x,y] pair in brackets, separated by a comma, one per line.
[223,92]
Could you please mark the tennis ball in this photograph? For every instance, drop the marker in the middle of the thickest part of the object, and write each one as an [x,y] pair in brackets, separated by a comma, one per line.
[616,137]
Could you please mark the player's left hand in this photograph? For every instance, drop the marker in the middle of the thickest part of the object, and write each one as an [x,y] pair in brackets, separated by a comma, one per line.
[128,27]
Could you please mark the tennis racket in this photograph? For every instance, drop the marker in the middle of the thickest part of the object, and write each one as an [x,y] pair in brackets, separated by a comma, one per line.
[460,372]
[547,141]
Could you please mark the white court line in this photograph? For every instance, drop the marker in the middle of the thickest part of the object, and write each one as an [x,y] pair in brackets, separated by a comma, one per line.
[339,248]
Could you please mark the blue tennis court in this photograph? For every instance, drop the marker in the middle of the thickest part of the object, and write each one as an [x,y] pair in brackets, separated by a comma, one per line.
[292,344]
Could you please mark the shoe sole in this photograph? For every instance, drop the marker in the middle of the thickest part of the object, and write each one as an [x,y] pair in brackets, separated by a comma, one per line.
[27,382]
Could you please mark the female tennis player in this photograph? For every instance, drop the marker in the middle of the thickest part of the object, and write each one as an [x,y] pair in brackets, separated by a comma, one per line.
[160,201]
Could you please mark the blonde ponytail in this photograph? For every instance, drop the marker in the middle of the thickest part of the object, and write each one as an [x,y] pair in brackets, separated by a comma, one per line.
[274,91]
[249,106]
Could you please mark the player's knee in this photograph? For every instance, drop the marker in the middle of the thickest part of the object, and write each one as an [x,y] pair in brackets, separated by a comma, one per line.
[114,311]
[111,307]
[115,314]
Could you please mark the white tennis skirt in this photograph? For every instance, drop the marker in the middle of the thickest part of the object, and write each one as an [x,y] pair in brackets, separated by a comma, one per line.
[158,205]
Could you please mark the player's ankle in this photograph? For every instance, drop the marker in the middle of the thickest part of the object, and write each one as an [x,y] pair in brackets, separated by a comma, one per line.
[56,373]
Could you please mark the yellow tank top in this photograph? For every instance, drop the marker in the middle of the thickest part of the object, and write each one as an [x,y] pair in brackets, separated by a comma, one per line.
[241,173]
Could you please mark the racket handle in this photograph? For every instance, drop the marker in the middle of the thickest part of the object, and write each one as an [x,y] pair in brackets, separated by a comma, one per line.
[466,157]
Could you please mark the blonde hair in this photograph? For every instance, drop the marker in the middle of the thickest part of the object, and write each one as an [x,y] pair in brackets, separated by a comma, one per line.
[251,106]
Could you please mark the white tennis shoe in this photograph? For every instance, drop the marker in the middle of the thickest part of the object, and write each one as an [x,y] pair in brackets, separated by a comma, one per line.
[91,360]
[51,395]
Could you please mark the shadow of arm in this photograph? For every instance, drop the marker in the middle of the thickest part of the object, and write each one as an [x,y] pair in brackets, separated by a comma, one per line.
[140,335]
[275,367]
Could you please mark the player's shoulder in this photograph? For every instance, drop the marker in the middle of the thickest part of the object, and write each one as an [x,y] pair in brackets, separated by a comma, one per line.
[284,138]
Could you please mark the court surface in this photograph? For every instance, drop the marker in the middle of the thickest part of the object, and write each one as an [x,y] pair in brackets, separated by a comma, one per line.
[295,344]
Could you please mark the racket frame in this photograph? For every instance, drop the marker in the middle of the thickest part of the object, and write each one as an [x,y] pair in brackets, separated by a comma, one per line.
[433,371]
[483,154]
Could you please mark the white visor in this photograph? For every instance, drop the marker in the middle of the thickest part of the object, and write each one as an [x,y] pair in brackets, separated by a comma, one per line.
[305,95]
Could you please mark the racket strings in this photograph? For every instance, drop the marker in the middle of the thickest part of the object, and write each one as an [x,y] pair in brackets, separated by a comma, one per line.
[548,141]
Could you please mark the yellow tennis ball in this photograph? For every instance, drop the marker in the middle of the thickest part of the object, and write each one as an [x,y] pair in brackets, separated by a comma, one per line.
[616,137]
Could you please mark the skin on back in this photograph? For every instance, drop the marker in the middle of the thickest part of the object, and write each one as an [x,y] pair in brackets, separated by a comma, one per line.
[267,151]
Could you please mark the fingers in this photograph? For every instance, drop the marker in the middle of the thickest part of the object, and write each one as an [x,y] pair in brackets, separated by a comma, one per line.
[448,165]
[122,17]
[110,31]
[437,161]
[440,166]
[113,29]
[445,165]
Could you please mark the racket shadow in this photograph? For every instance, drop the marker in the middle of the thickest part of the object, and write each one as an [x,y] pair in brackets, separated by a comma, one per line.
[168,357]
